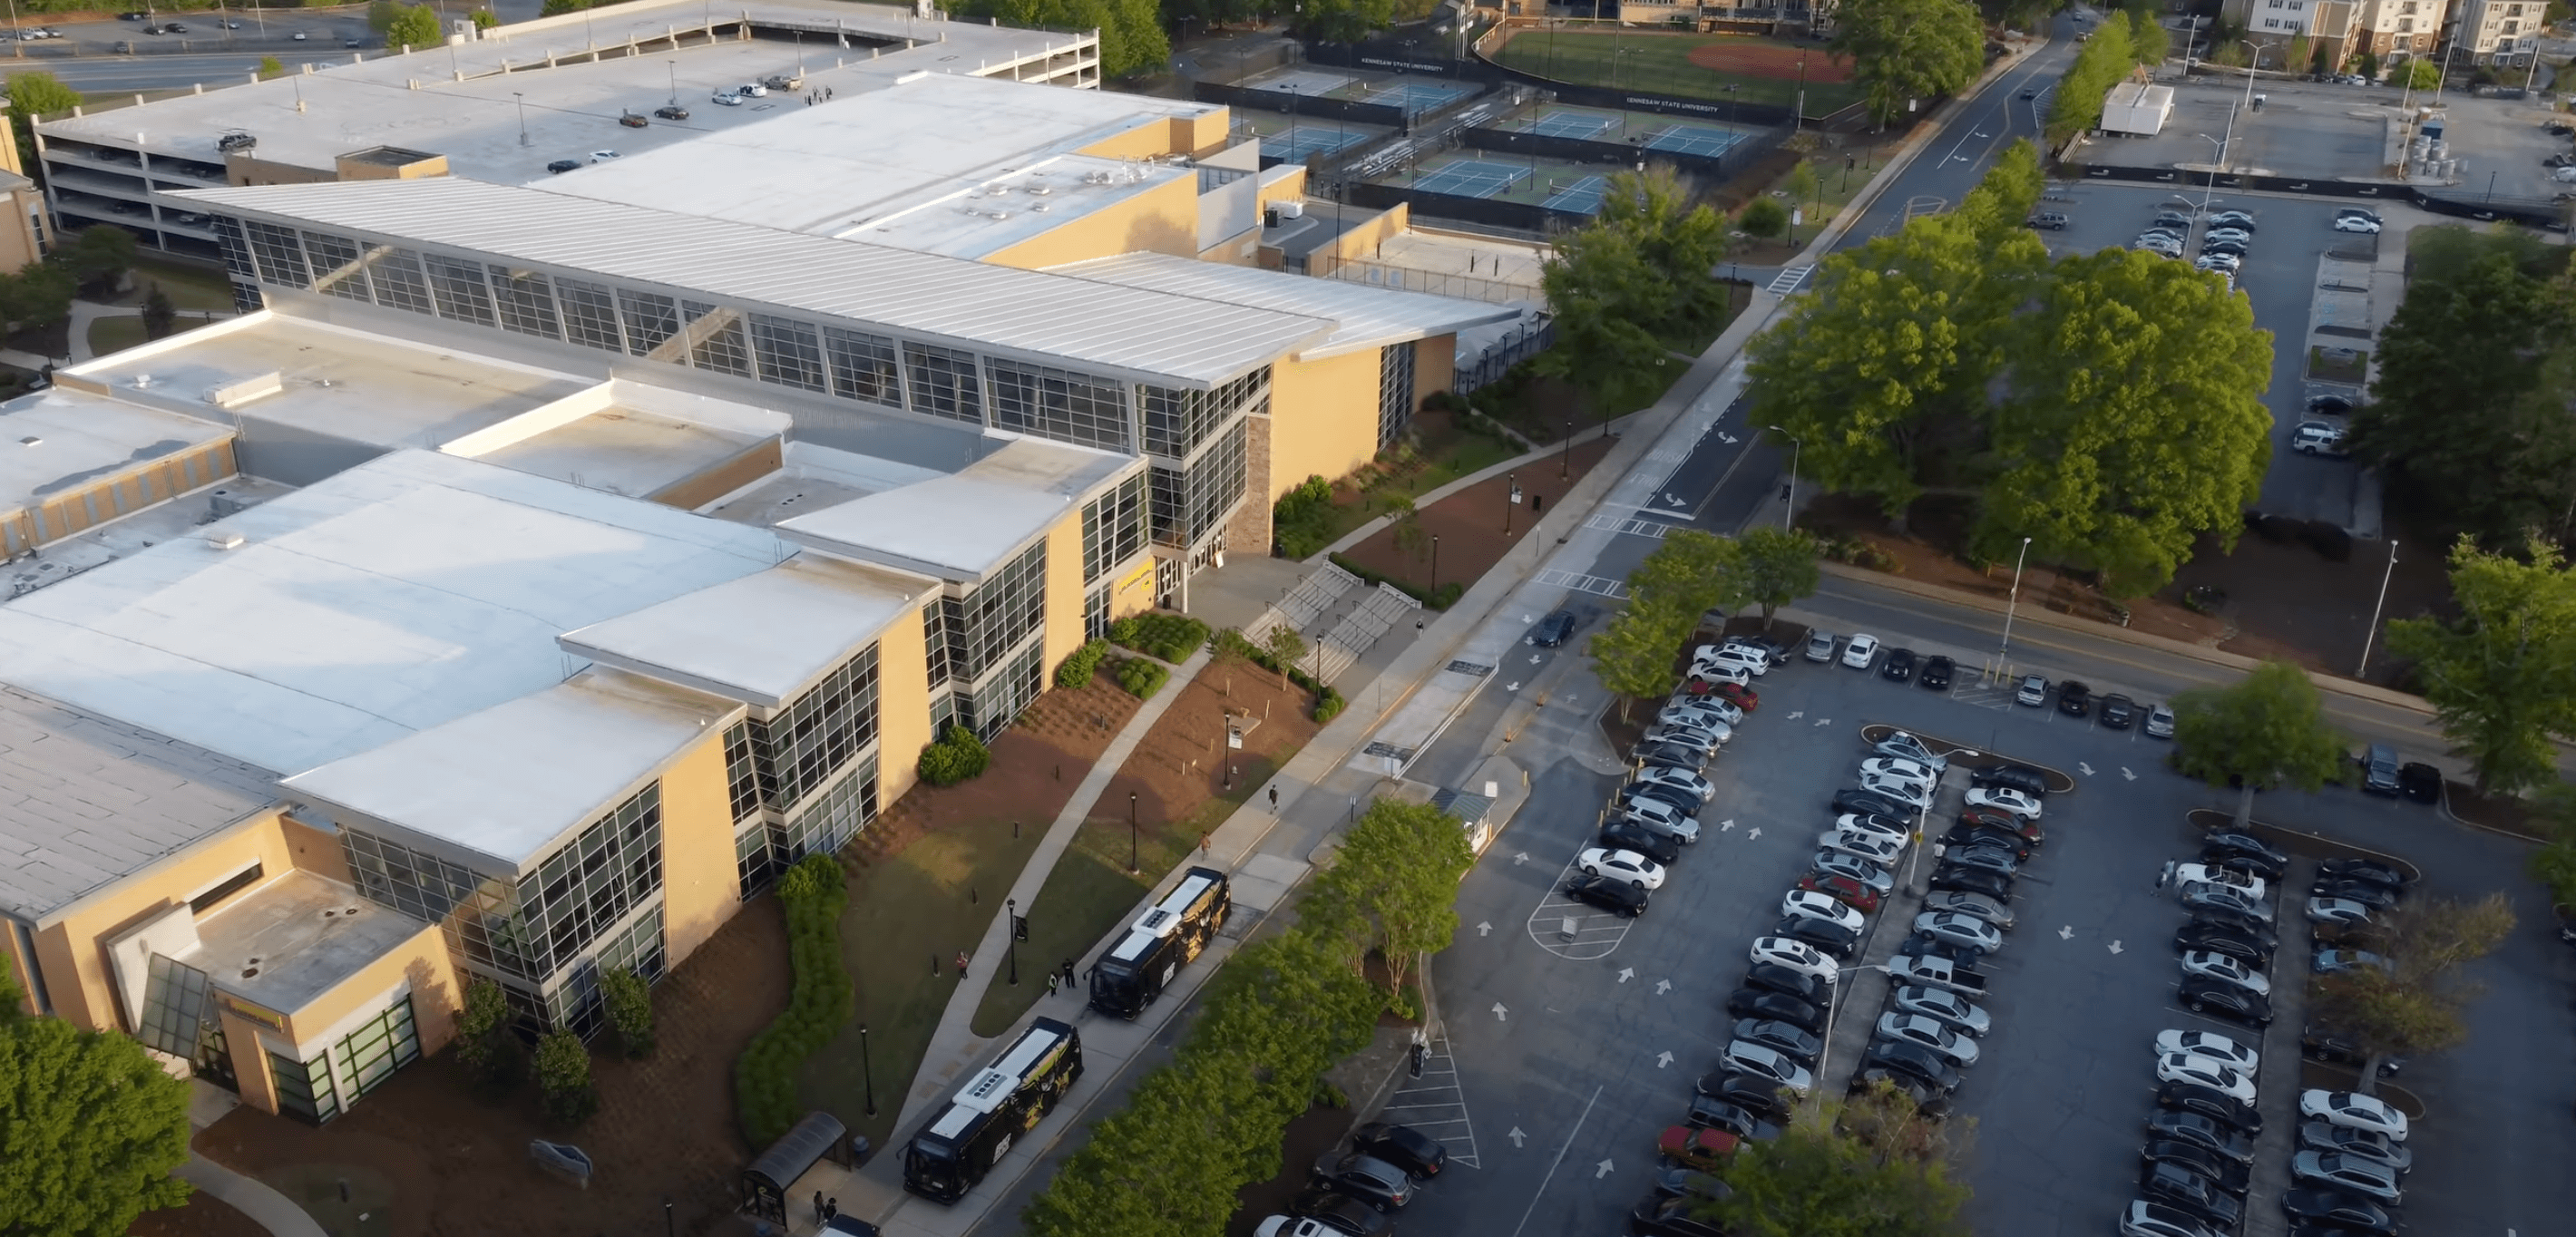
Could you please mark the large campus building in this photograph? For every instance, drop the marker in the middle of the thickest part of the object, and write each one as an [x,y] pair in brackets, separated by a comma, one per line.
[541,563]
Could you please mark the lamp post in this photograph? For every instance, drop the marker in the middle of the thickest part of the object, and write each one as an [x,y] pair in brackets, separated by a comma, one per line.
[1011,935]
[1132,866]
[522,97]
[1789,518]
[1565,462]
[675,81]
[1510,497]
[2373,634]
[868,1069]
[2014,602]
[1435,563]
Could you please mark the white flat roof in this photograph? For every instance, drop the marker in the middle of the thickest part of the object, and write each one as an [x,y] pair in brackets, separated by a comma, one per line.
[1151,335]
[61,439]
[956,528]
[867,165]
[400,594]
[623,451]
[295,938]
[813,477]
[505,783]
[1363,316]
[763,638]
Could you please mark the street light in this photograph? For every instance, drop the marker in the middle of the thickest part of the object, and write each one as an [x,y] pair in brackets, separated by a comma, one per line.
[2373,634]
[1789,518]
[675,81]
[1435,563]
[1011,935]
[1565,462]
[1510,497]
[2004,650]
[868,1069]
[522,97]
[1132,866]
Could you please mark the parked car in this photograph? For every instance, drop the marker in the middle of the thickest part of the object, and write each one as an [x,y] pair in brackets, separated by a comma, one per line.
[2118,711]
[2199,1128]
[1820,645]
[1960,929]
[2369,1178]
[1832,939]
[1364,1177]
[2362,870]
[671,112]
[2210,1044]
[2376,896]
[2334,1049]
[2074,699]
[1810,905]
[1610,893]
[1900,768]
[1626,865]
[2199,1195]
[2420,782]
[1936,673]
[2327,1136]
[2340,912]
[2355,223]
[2203,995]
[2223,897]
[1696,1147]
[1860,650]
[1899,665]
[1708,1112]
[2054,221]
[2319,438]
[1989,818]
[1415,1152]
[2342,1212]
[1778,1007]
[1989,837]
[1759,1096]
[2146,1218]
[1842,889]
[2205,1072]
[1630,836]
[1874,825]
[1959,879]
[2354,1110]
[2033,691]
[2231,1176]
[1921,1063]
[2160,722]
[1798,1045]
[1764,1062]
[1876,879]
[1947,1008]
[2234,942]
[2224,969]
[1773,977]
[1672,1217]
[1336,1212]
[1975,905]
[1792,955]
[1552,630]
[2004,799]
[1927,1032]
[1850,800]
[2218,1106]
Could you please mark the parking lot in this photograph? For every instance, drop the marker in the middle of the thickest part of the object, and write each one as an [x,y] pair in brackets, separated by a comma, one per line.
[2305,129]
[1567,1056]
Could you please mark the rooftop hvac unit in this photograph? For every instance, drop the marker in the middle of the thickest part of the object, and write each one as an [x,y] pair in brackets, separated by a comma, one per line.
[1292,208]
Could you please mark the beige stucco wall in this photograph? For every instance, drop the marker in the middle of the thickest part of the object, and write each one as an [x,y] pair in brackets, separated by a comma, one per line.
[903,705]
[701,887]
[1323,417]
[1063,590]
[1435,365]
[77,975]
[1163,219]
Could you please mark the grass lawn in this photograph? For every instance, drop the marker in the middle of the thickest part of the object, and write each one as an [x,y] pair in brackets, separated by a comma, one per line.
[1089,893]
[1660,64]
[2338,364]
[191,288]
[108,335]
[905,911]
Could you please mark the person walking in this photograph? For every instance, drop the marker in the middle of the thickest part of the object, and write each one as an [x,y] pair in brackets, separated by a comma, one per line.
[1068,973]
[2165,877]
[1274,800]
[961,964]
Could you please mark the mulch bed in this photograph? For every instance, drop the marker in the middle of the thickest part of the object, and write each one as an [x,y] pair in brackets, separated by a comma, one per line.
[1180,766]
[2502,813]
[204,1216]
[1036,765]
[1469,523]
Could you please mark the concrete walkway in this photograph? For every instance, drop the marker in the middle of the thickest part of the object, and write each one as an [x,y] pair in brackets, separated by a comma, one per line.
[207,1104]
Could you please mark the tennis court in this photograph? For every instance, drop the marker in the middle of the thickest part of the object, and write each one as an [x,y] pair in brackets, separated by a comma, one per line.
[1577,125]
[1583,196]
[1418,97]
[1305,82]
[1306,141]
[1694,140]
[1470,178]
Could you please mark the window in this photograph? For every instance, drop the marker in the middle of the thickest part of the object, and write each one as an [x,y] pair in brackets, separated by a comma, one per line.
[986,624]
[399,282]
[176,1007]
[1059,404]
[214,897]
[575,1005]
[280,254]
[365,1057]
[1095,614]
[817,733]
[421,886]
[590,315]
[456,287]
[863,367]
[742,776]
[581,890]
[651,320]
[832,818]
[1177,421]
[1394,392]
[944,382]
[1113,527]
[790,352]
[336,269]
[303,1091]
[228,233]
[998,703]
[527,303]
[1186,504]
[716,335]
[934,639]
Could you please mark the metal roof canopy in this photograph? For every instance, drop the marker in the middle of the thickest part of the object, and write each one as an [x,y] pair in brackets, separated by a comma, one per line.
[1139,334]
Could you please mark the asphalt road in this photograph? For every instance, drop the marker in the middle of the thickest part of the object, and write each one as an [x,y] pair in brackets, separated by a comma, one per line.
[93,75]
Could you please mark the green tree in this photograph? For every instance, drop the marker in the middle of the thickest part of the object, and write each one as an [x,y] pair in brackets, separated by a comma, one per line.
[1393,889]
[1287,646]
[2423,74]
[563,1074]
[1804,189]
[2135,423]
[2554,865]
[1633,286]
[1342,21]
[2412,1006]
[1410,537]
[1132,40]
[97,257]
[2303,55]
[485,1044]
[1771,568]
[2368,65]
[1686,573]
[93,1127]
[1633,653]
[1905,52]
[2149,41]
[1834,1173]
[483,19]
[40,294]
[40,94]
[159,315]
[1763,217]
[2267,730]
[629,1001]
[2101,62]
[271,67]
[2502,676]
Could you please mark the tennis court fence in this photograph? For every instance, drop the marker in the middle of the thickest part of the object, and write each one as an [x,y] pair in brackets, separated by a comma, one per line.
[1409,279]
[1610,147]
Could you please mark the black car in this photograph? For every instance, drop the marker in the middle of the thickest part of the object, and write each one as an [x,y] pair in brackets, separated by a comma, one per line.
[1929,1100]
[2252,863]
[1613,894]
[1831,939]
[1972,880]
[673,112]
[2372,894]
[2192,1127]
[2420,782]
[1780,1037]
[1665,793]
[1339,1212]
[2177,1186]
[2170,219]
[1899,665]
[2260,931]
[634,120]
[1403,1146]
[2118,711]
[1987,837]
[1365,1177]
[2210,1102]
[2220,938]
[1855,800]
[1926,945]
[1936,673]
[2340,1207]
[1553,630]
[2073,698]
[1690,1183]
[2334,1049]
[2245,842]
[1758,1003]
[2023,778]
[1923,1064]
[1629,835]
[1669,756]
[2200,1161]
[1671,1217]
[1773,977]
[2370,870]
[561,166]
[2203,995]
[1710,1113]
[1990,858]
[1759,1096]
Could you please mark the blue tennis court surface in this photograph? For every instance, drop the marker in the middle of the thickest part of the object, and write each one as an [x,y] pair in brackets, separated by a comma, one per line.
[1693,140]
[1583,197]
[1305,141]
[1470,178]
[1415,97]
[1570,124]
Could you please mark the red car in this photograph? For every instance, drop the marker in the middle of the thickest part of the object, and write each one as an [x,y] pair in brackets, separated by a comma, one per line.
[1694,1147]
[1744,698]
[1843,889]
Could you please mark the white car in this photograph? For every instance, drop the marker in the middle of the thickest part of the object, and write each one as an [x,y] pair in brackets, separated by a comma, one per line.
[1907,747]
[1751,660]
[1862,650]
[1795,955]
[2197,896]
[1808,904]
[1706,713]
[2239,235]
[727,98]
[2209,1044]
[2146,1219]
[602,156]
[1959,929]
[753,89]
[2224,969]
[1752,1058]
[1705,742]
[1681,779]
[1870,846]
[2318,438]
[2354,223]
[1928,1033]
[1947,1008]
[1721,672]
[1663,818]
[1294,1226]
[1820,645]
[1866,824]
[2204,1071]
[2004,799]
[2219,262]
[2201,873]
[2343,911]
[2354,1111]
[1913,794]
[1899,767]
[1625,865]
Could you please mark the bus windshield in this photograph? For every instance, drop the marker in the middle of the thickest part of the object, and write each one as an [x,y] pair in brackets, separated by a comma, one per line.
[930,1169]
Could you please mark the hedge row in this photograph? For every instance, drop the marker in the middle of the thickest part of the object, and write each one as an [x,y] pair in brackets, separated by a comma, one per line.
[1172,637]
[764,1077]
[1076,669]
[1301,522]
[1440,598]
[1142,676]
[957,756]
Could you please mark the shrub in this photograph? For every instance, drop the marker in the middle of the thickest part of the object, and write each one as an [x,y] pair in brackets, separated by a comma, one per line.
[563,1070]
[1077,668]
[1763,217]
[485,1045]
[957,756]
[1172,637]
[764,1077]
[1301,522]
[1233,641]
[1328,705]
[1142,676]
[630,1010]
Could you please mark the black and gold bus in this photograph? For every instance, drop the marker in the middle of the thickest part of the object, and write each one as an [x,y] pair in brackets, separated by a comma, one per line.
[988,1114]
[1136,970]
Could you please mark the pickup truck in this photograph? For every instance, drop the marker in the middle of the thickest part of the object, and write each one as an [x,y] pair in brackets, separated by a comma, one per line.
[1935,973]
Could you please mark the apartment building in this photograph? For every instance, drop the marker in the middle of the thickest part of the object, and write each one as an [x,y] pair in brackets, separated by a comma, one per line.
[2498,32]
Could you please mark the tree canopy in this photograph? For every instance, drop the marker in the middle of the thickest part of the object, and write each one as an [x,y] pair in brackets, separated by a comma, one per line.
[1393,889]
[1869,1167]
[2101,61]
[2266,730]
[40,94]
[1342,21]
[2412,1004]
[1634,286]
[1909,52]
[1770,567]
[404,25]
[91,1128]
[1132,39]
[2502,676]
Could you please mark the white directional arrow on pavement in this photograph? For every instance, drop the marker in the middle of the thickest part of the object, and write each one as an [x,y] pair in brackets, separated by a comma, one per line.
[1753,833]
[1663,986]
[2115,947]
[2083,768]
[1602,1171]
[1513,688]
[1519,859]
[1535,659]
[1485,928]
[1727,438]
[1664,1060]
[1627,973]
[1516,1136]
[1675,501]
[1824,721]
[1501,1014]
[2124,772]
[1726,824]
[2066,933]
[1796,714]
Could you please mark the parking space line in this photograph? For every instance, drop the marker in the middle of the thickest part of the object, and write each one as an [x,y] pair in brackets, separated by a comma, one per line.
[1435,1105]
[1559,1161]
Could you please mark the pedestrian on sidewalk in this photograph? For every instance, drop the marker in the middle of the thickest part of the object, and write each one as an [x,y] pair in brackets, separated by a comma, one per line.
[831,1209]
[1203,846]
[1050,983]
[1068,972]
[1274,800]
[818,1206]
[961,964]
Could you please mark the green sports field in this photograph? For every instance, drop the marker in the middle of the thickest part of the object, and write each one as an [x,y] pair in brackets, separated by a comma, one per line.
[1762,70]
